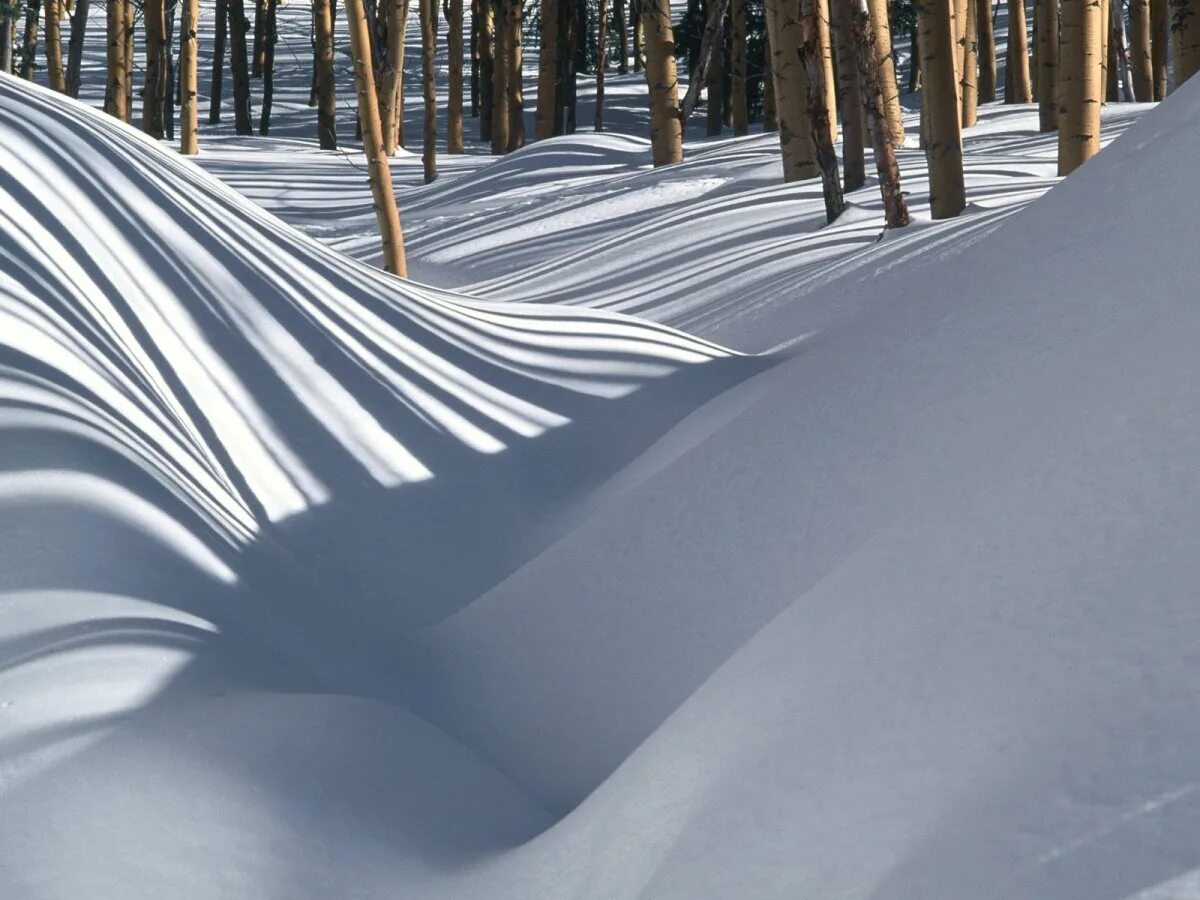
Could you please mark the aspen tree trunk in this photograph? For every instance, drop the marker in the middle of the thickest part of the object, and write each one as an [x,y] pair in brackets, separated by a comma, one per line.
[622,26]
[54,60]
[114,92]
[391,111]
[824,39]
[79,23]
[130,32]
[666,128]
[454,102]
[639,37]
[1046,12]
[601,61]
[710,39]
[1108,81]
[326,98]
[887,69]
[377,162]
[269,39]
[428,49]
[33,18]
[943,133]
[987,51]
[1159,31]
[770,110]
[548,64]
[8,34]
[862,35]
[914,63]
[220,25]
[258,53]
[818,111]
[516,92]
[791,91]
[1034,60]
[1185,38]
[487,62]
[239,65]
[1141,62]
[1020,90]
[474,58]
[1079,85]
[738,54]
[189,143]
[712,81]
[969,84]
[850,95]
[155,89]
[1120,39]
[501,69]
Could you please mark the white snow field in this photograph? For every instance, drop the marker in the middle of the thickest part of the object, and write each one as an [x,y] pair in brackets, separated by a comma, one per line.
[315,583]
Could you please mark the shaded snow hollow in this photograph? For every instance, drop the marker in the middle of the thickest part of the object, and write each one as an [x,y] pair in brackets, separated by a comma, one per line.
[911,613]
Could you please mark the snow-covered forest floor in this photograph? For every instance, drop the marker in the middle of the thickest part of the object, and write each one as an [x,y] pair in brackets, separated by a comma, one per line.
[654,541]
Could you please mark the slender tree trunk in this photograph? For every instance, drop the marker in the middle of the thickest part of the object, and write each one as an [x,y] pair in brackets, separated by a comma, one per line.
[791,92]
[516,93]
[987,51]
[862,35]
[155,88]
[738,54]
[1080,86]
[548,66]
[914,64]
[1159,42]
[33,17]
[1035,46]
[850,93]
[270,38]
[1141,61]
[824,47]
[8,35]
[54,60]
[819,113]
[887,69]
[710,39]
[1185,38]
[770,110]
[220,26]
[326,97]
[571,28]
[501,70]
[1108,69]
[1020,90]
[428,50]
[601,61]
[130,33]
[969,85]
[943,132]
[382,193]
[639,36]
[239,65]
[487,62]
[189,142]
[666,129]
[474,57]
[114,92]
[393,74]
[79,22]
[258,54]
[622,26]
[454,103]
[712,78]
[172,97]
[1046,12]
[1120,39]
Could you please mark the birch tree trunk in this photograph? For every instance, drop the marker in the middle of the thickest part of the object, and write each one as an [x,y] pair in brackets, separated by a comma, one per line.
[1141,62]
[1080,86]
[379,173]
[791,91]
[189,127]
[987,51]
[454,102]
[862,36]
[54,60]
[428,50]
[326,98]
[943,132]
[666,132]
[1046,12]
[1020,90]
[547,99]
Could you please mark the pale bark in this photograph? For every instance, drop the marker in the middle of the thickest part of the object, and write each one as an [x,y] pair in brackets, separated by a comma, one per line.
[969,82]
[882,44]
[54,60]
[130,32]
[666,133]
[189,143]
[791,91]
[390,112]
[1080,84]
[862,35]
[326,97]
[1046,12]
[1020,89]
[382,194]
[547,99]
[1185,39]
[428,51]
[454,102]
[943,132]
[987,51]
[1108,69]
[1141,62]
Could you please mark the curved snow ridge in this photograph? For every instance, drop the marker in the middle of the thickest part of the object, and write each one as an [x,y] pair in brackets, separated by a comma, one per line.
[244,367]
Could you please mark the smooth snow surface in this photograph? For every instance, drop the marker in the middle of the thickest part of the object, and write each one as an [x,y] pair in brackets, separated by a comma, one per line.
[321,584]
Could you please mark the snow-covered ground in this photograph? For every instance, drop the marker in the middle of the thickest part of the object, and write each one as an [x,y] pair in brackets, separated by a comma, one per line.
[314,583]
